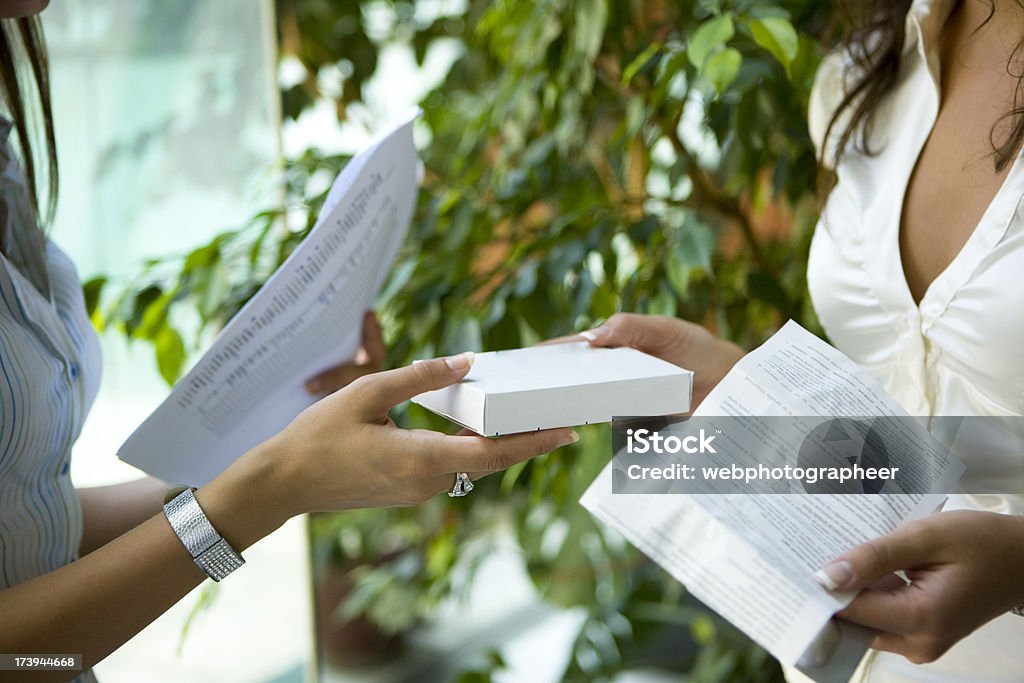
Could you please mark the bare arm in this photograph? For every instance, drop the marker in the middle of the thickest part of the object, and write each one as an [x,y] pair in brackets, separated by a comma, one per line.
[343,452]
[94,605]
[109,511]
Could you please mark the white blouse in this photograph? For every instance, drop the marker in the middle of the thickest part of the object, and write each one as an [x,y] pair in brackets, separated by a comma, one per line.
[961,351]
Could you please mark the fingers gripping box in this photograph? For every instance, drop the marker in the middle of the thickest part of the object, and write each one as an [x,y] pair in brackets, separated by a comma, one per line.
[560,385]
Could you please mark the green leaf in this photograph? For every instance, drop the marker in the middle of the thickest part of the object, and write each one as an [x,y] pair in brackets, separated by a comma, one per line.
[154,316]
[693,248]
[778,36]
[170,353]
[639,62]
[595,267]
[695,245]
[204,256]
[591,20]
[463,336]
[207,594]
[722,68]
[702,628]
[91,290]
[662,303]
[604,302]
[678,272]
[441,554]
[538,151]
[767,288]
[511,476]
[627,260]
[526,280]
[399,277]
[711,35]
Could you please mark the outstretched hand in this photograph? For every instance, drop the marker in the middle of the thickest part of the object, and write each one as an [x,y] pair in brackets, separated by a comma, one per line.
[677,341]
[344,451]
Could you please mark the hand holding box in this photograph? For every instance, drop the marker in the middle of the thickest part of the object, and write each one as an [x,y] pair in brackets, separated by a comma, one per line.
[560,385]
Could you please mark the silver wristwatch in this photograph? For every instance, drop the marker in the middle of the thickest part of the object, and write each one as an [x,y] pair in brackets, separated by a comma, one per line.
[209,550]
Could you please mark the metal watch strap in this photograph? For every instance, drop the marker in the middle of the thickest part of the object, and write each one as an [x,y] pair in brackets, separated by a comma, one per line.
[211,552]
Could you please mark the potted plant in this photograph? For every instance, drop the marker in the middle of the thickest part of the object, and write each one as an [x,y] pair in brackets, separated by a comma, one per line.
[649,156]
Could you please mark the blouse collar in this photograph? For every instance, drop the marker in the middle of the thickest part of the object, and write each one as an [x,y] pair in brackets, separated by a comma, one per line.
[924,24]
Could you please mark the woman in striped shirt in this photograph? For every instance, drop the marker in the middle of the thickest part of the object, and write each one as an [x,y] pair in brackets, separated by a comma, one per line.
[343,452]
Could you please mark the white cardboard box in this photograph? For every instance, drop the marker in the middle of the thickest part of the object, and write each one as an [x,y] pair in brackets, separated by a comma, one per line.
[560,385]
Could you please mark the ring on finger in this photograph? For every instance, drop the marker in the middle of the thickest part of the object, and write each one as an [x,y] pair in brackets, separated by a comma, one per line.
[462,486]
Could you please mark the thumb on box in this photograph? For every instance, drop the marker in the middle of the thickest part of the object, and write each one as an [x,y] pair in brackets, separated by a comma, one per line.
[643,332]
[383,390]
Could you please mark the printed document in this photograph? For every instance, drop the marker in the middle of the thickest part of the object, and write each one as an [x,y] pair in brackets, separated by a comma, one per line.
[306,318]
[752,558]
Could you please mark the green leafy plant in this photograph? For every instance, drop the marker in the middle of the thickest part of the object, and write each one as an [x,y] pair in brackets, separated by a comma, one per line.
[581,157]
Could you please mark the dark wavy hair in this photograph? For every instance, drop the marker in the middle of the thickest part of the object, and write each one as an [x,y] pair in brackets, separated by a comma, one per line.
[26,91]
[872,33]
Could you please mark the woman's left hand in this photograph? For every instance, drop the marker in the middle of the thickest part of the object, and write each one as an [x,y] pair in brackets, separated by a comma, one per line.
[965,567]
[371,358]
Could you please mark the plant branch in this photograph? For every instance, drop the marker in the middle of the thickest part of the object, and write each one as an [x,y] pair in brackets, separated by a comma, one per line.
[708,195]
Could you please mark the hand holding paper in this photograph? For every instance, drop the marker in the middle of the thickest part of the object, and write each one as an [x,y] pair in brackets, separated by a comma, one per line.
[753,558]
[371,357]
[950,557]
[305,319]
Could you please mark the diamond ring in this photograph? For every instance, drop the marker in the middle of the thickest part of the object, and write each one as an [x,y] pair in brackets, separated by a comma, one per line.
[462,485]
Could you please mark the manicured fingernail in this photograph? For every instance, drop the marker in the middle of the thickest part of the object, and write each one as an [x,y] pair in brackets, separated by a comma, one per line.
[570,438]
[835,576]
[596,333]
[461,361]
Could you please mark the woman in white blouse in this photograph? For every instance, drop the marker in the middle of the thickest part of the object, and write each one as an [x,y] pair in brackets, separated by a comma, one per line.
[343,452]
[916,273]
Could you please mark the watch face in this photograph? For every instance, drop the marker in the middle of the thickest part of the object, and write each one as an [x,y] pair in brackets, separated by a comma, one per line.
[220,560]
[209,550]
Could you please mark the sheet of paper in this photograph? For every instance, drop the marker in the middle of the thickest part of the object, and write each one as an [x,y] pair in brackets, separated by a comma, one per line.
[752,558]
[306,318]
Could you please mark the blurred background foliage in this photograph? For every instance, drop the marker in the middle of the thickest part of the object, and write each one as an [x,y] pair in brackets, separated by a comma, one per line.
[582,157]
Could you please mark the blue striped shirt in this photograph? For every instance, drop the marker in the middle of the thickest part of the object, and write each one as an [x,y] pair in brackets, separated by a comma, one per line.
[49,374]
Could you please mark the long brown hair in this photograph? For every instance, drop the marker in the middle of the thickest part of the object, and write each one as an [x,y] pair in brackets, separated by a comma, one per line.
[26,92]
[872,34]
